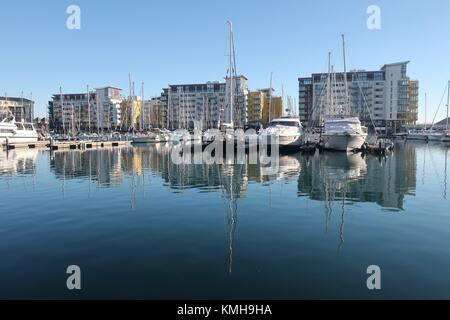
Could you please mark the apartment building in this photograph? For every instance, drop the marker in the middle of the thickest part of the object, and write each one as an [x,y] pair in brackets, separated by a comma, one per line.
[386,98]
[20,108]
[97,110]
[263,106]
[203,105]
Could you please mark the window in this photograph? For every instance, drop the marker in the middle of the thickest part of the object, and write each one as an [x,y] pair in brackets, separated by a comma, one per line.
[284,123]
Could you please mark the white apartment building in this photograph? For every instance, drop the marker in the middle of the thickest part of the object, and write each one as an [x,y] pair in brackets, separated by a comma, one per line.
[96,110]
[109,100]
[239,115]
[204,106]
[21,108]
[386,98]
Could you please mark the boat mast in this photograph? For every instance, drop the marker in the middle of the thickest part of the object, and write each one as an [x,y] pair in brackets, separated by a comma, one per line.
[270,98]
[333,97]
[282,102]
[425,124]
[5,108]
[448,103]
[231,72]
[72,123]
[22,108]
[31,109]
[62,110]
[328,99]
[347,101]
[89,108]
[131,102]
[97,103]
[141,125]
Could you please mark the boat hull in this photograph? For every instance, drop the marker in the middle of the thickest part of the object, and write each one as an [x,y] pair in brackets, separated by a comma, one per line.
[343,142]
[282,141]
[18,140]
[143,140]
[417,137]
[434,137]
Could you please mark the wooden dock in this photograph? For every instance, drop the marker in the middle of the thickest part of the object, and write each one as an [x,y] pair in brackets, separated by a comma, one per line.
[68,145]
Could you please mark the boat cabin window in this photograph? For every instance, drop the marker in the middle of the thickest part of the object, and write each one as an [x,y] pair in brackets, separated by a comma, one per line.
[284,123]
[20,126]
[337,126]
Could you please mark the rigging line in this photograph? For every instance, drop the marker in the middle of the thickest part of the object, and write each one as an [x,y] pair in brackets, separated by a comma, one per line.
[318,104]
[315,106]
[437,174]
[439,107]
[364,97]
[367,106]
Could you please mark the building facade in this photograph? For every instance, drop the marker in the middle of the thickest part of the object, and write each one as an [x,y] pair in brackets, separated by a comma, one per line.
[188,105]
[20,108]
[96,110]
[154,110]
[202,106]
[205,105]
[263,106]
[235,111]
[385,98]
[108,101]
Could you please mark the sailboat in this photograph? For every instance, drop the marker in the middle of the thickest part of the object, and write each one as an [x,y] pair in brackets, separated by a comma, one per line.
[231,132]
[432,135]
[421,135]
[343,132]
[446,136]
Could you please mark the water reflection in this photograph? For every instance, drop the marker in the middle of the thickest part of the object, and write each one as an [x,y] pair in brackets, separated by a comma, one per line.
[18,162]
[327,177]
[336,179]
[338,176]
[250,233]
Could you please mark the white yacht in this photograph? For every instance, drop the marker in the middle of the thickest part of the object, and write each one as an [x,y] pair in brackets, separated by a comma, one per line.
[342,131]
[17,132]
[417,135]
[151,137]
[434,136]
[343,134]
[287,132]
[446,137]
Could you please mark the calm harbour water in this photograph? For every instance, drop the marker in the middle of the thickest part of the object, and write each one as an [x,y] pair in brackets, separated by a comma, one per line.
[142,227]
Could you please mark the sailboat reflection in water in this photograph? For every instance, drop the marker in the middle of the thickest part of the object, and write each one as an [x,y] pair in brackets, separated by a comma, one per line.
[233,180]
[332,175]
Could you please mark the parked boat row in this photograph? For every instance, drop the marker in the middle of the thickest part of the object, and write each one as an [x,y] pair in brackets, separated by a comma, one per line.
[429,136]
[433,135]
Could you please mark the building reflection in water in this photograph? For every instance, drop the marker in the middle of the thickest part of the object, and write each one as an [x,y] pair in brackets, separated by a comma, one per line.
[336,179]
[337,176]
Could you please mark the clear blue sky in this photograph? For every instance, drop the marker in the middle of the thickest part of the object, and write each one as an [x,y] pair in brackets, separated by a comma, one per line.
[162,42]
